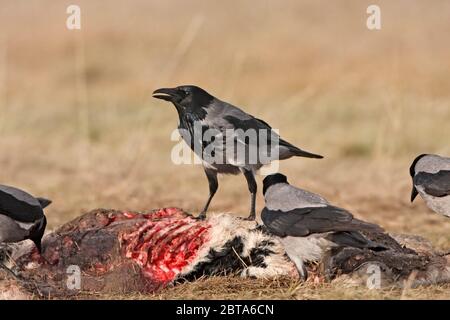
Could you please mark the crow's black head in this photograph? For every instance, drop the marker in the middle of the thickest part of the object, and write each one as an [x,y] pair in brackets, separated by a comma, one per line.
[412,172]
[37,234]
[185,98]
[273,179]
[412,168]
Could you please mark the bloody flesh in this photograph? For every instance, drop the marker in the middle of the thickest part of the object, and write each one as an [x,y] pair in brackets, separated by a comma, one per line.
[164,244]
[118,252]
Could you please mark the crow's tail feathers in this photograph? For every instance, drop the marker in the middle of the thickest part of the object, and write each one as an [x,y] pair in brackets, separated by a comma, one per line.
[299,152]
[306,154]
[354,239]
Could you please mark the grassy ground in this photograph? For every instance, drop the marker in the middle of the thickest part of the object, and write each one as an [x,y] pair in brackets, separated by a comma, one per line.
[78,123]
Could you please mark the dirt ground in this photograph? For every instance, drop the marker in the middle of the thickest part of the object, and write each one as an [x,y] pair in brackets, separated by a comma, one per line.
[78,124]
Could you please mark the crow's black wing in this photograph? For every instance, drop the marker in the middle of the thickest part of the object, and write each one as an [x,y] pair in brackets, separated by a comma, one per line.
[279,222]
[19,205]
[247,123]
[435,184]
[305,221]
[252,123]
[258,124]
[354,239]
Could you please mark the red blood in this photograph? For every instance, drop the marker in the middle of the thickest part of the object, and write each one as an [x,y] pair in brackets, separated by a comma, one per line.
[68,242]
[100,268]
[129,215]
[35,256]
[165,248]
[164,244]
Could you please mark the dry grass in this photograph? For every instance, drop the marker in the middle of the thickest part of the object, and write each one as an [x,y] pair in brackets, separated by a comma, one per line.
[280,289]
[78,123]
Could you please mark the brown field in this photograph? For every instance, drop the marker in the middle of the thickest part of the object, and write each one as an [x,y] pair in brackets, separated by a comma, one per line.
[78,124]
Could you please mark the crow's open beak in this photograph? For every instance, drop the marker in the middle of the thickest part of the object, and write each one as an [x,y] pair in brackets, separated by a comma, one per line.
[167,94]
[414,193]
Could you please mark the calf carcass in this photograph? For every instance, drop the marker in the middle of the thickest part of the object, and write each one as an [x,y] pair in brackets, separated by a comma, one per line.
[112,251]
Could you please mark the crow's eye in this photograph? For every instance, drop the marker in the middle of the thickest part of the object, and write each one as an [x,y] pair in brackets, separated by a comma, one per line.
[186,92]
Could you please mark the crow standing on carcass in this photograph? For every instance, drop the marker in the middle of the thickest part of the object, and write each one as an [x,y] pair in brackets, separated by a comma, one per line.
[197,108]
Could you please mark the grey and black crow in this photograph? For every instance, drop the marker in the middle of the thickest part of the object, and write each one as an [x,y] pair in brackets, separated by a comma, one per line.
[308,225]
[197,108]
[21,216]
[431,179]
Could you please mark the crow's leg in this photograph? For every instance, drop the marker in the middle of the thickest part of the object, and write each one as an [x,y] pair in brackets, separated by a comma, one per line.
[252,187]
[213,185]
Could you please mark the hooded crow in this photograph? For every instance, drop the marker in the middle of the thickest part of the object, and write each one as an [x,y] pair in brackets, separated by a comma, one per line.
[21,216]
[308,225]
[228,128]
[431,179]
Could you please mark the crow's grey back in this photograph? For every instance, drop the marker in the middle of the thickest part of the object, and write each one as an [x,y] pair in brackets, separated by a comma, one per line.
[19,205]
[283,196]
[432,164]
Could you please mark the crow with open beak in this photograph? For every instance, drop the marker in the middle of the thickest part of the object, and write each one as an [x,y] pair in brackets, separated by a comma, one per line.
[431,179]
[223,125]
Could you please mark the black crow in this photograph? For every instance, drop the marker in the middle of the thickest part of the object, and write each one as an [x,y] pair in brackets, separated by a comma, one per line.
[431,179]
[308,225]
[21,216]
[209,124]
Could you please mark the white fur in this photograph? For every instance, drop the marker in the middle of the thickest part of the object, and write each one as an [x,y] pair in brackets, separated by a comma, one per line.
[226,227]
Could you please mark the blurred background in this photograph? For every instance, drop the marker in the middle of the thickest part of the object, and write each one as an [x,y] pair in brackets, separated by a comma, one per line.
[78,124]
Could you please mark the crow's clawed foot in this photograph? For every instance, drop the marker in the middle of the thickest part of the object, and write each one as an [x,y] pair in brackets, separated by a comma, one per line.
[201,216]
[251,217]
